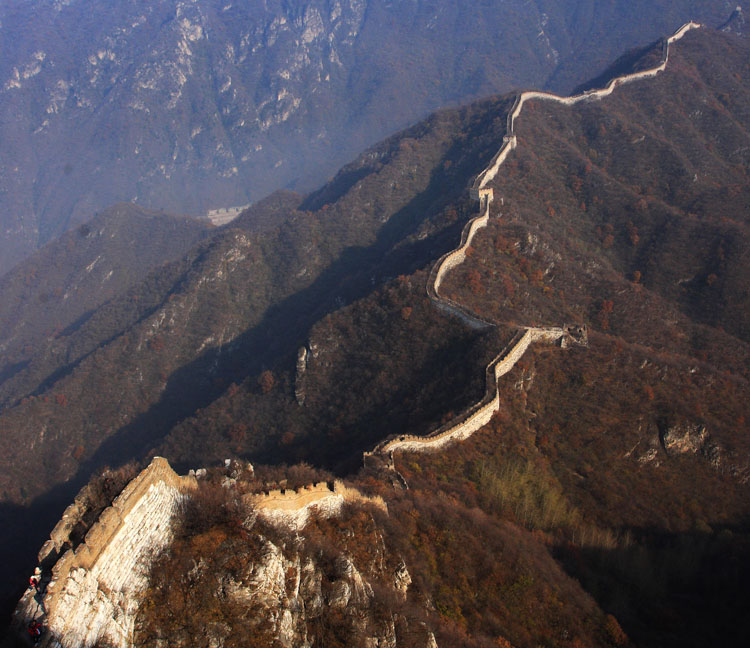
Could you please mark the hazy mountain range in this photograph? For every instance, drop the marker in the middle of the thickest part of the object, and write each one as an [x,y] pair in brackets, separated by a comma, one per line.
[186,106]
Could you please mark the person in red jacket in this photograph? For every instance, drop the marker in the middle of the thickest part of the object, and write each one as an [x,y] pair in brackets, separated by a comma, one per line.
[35,630]
[35,579]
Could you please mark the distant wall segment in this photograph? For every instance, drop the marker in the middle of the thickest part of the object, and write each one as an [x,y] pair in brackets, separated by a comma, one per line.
[479,414]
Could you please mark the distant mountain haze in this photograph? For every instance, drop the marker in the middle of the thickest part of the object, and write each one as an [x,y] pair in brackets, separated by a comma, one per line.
[188,106]
[60,285]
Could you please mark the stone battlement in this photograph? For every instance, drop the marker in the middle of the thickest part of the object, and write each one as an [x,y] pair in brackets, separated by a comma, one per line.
[293,507]
[90,592]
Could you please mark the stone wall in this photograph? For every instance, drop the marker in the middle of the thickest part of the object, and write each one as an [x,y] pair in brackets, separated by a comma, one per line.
[510,142]
[225,215]
[91,593]
[479,414]
[293,508]
[455,258]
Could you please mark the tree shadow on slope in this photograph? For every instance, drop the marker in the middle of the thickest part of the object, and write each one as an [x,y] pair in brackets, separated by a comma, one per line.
[278,336]
[440,381]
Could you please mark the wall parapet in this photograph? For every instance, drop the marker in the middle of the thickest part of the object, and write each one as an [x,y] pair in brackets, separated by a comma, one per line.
[293,507]
[89,592]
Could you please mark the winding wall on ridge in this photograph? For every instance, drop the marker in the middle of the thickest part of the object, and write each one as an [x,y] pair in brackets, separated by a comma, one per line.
[469,421]
[93,589]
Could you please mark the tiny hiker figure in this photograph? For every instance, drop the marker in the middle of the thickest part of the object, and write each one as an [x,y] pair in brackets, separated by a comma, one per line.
[35,579]
[35,631]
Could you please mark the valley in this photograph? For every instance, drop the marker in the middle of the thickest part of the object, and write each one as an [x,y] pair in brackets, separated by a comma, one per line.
[617,461]
[192,107]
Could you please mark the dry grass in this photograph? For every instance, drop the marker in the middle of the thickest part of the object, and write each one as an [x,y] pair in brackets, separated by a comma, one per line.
[535,500]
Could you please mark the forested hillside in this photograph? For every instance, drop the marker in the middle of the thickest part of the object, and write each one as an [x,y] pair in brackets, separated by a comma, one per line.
[604,503]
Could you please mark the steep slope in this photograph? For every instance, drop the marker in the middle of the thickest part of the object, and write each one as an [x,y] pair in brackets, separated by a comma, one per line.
[631,456]
[56,289]
[187,106]
[626,460]
[645,431]
[640,205]
[239,301]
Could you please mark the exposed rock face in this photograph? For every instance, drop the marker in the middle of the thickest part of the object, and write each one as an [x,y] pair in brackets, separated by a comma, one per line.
[684,438]
[402,578]
[93,593]
[299,380]
[737,23]
[293,592]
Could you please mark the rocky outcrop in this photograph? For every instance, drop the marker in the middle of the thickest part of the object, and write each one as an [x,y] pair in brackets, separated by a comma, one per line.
[737,23]
[299,377]
[295,593]
[91,593]
[687,438]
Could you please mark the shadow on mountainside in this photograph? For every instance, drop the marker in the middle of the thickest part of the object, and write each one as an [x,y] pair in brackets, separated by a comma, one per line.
[367,265]
[681,590]
[635,60]
[352,275]
[282,330]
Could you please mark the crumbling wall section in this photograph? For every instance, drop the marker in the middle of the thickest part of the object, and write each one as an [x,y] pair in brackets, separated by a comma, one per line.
[91,593]
[293,507]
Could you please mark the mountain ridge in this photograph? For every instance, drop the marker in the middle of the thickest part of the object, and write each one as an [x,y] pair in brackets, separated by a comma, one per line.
[258,98]
[398,308]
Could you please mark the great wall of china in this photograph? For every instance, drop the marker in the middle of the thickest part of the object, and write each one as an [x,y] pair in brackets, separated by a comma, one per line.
[292,508]
[469,421]
[89,590]
[89,593]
